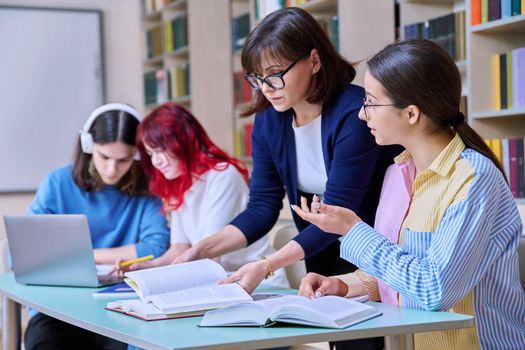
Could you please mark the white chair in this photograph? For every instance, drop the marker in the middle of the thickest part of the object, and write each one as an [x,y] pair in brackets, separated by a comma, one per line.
[521,254]
[4,253]
[296,271]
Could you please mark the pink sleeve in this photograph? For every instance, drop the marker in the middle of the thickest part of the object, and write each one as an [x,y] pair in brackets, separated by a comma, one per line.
[391,211]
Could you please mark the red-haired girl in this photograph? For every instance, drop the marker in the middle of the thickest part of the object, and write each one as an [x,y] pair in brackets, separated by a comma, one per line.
[201,186]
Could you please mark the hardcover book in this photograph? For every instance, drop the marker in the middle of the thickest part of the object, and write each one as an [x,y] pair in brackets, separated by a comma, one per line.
[182,289]
[327,311]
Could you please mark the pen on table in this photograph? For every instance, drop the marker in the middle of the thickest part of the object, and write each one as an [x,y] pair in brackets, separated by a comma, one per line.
[131,262]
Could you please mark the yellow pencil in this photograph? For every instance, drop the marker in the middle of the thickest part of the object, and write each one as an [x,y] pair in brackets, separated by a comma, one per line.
[131,262]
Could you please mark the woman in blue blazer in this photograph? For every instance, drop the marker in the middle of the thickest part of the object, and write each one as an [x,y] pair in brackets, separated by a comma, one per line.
[307,139]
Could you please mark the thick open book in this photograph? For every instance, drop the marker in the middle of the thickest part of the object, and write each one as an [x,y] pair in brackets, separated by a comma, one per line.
[146,311]
[178,290]
[327,311]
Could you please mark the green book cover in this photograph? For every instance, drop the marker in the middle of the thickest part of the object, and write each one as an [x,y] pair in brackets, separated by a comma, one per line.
[516,7]
[484,11]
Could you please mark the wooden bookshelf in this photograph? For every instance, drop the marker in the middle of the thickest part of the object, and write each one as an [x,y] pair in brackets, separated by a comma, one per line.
[165,53]
[206,56]
[353,16]
[482,42]
[239,8]
[417,11]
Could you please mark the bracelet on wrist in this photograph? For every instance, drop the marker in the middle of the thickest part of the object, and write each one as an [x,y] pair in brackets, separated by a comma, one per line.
[268,267]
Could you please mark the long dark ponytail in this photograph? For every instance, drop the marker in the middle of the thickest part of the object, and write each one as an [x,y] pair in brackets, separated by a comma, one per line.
[421,73]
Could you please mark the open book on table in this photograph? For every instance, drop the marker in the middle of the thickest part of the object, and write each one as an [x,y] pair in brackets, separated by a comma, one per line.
[178,290]
[327,311]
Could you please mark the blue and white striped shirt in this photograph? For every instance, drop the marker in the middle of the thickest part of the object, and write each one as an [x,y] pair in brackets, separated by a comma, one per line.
[457,251]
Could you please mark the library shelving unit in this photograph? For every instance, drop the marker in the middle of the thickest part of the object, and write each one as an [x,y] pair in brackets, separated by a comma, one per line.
[505,126]
[355,39]
[425,11]
[483,41]
[348,25]
[241,20]
[212,61]
[194,43]
[166,53]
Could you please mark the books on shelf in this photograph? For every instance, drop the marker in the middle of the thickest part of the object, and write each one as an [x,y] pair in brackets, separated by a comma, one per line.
[153,42]
[175,33]
[150,88]
[448,31]
[511,154]
[240,30]
[517,79]
[150,7]
[508,79]
[483,11]
[242,92]
[495,9]
[178,290]
[327,311]
[167,84]
[265,7]
[243,141]
[330,24]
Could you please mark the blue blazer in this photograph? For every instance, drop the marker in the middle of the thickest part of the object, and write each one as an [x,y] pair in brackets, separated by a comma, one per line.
[350,155]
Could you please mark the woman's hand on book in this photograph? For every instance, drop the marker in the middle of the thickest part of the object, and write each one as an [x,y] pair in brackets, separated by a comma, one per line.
[190,254]
[329,218]
[315,285]
[248,276]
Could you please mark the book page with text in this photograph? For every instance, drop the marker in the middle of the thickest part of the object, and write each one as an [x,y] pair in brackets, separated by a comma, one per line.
[326,311]
[164,279]
[329,305]
[203,297]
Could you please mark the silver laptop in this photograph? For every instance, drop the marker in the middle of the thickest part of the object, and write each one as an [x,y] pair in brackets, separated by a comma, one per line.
[53,250]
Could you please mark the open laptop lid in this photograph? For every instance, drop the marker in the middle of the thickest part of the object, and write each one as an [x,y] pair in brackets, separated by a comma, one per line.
[52,250]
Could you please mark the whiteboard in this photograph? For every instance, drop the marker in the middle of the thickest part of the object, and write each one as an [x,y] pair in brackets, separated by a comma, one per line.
[51,79]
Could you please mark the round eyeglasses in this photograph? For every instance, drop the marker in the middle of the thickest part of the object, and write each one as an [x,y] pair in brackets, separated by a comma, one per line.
[274,81]
[368,105]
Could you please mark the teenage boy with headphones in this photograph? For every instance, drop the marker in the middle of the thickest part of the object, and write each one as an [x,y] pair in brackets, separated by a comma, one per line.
[106,184]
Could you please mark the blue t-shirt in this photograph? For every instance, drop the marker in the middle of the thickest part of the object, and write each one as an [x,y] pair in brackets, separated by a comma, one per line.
[115,219]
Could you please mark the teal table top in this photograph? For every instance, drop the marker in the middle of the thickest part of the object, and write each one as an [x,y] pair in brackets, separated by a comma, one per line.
[77,306]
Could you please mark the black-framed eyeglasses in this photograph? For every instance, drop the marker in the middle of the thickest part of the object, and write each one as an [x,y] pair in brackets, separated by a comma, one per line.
[274,81]
[367,105]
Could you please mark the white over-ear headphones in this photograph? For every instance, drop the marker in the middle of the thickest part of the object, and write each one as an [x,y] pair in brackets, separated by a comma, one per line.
[86,139]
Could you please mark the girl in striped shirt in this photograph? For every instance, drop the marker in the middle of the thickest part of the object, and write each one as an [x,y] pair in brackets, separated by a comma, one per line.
[455,246]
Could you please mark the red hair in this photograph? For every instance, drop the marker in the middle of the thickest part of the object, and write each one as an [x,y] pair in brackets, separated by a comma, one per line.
[174,129]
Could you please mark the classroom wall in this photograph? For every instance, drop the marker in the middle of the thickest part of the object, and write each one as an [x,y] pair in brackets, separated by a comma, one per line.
[122,66]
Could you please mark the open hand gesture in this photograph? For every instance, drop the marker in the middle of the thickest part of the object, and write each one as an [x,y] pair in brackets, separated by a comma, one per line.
[329,218]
